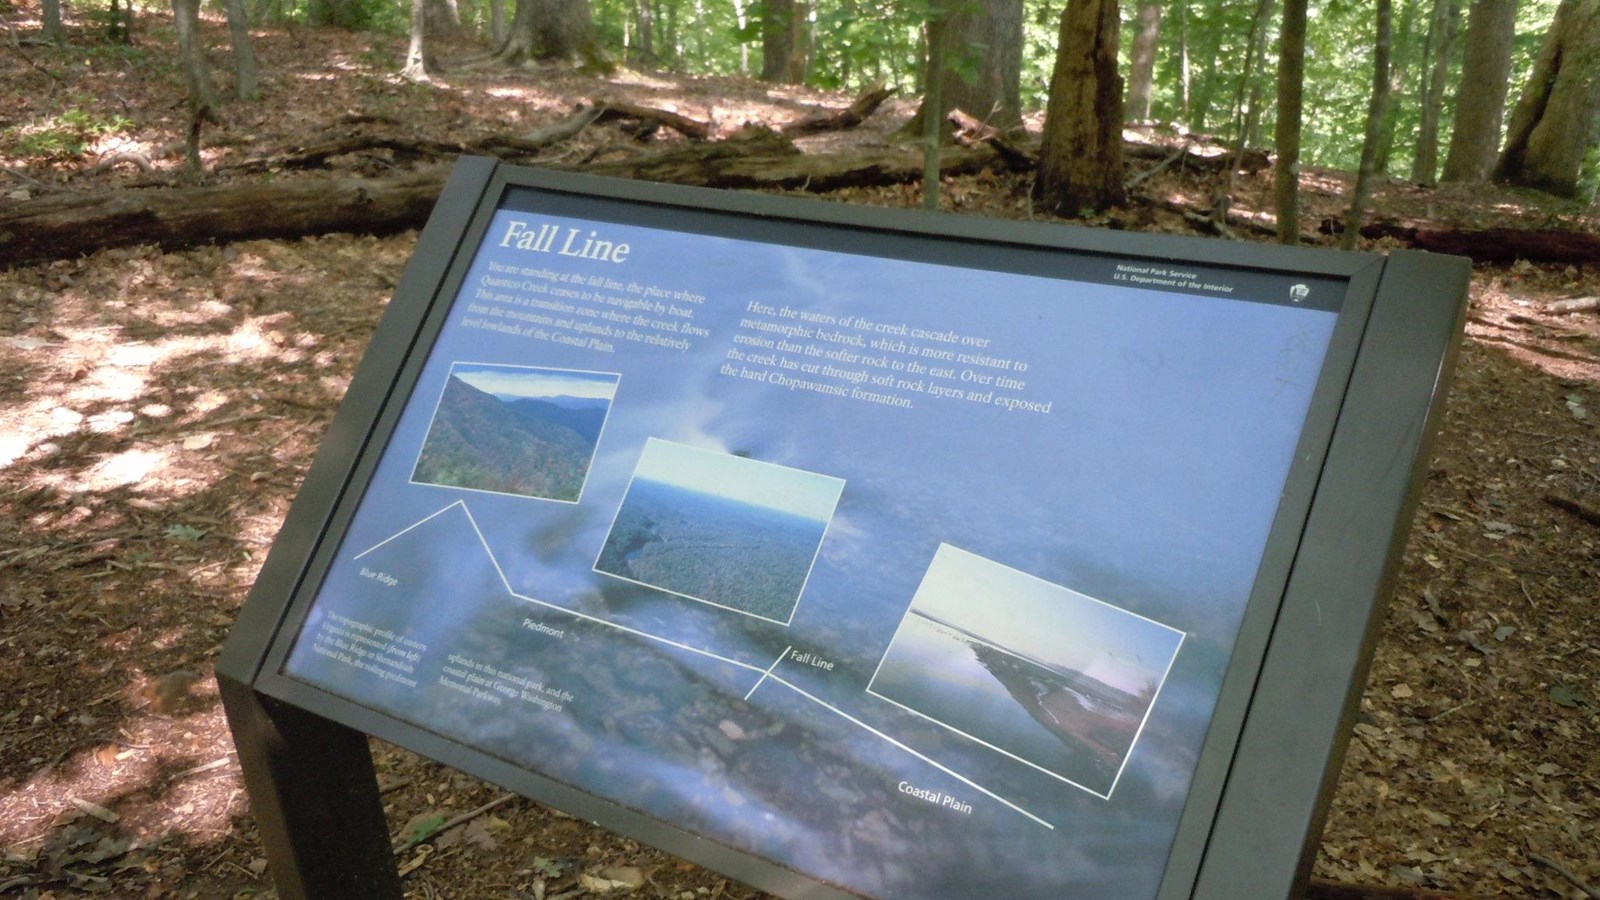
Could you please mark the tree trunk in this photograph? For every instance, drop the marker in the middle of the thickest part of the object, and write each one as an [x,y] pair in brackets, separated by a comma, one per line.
[416,68]
[1375,109]
[783,56]
[1554,124]
[1205,45]
[246,83]
[337,13]
[1184,79]
[1441,44]
[1142,59]
[192,54]
[741,15]
[1286,132]
[497,23]
[443,18]
[1481,100]
[1242,111]
[1403,52]
[52,21]
[1080,161]
[551,30]
[978,46]
[119,24]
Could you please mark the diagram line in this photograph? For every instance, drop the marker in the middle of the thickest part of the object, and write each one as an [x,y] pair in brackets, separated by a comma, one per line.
[768,671]
[765,673]
[932,762]
[419,524]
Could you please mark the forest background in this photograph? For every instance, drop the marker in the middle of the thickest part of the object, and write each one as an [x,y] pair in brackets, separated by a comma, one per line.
[203,211]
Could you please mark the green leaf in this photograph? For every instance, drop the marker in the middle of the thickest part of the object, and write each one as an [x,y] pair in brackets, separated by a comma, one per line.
[182,532]
[1562,695]
[424,827]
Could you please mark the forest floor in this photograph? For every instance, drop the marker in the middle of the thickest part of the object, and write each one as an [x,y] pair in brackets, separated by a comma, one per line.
[158,411]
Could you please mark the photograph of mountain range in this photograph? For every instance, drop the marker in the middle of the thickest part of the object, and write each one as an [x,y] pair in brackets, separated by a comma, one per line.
[722,529]
[516,430]
[1051,677]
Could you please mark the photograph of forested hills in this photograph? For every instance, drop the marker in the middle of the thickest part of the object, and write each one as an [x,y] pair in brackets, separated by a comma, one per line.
[1035,670]
[516,430]
[726,530]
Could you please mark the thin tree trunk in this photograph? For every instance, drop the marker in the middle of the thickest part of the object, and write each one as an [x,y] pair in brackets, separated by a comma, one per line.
[1183,60]
[1375,109]
[1241,114]
[1142,59]
[192,55]
[1286,132]
[416,67]
[931,138]
[52,21]
[497,23]
[1481,101]
[246,82]
[1402,53]
[741,14]
[1441,45]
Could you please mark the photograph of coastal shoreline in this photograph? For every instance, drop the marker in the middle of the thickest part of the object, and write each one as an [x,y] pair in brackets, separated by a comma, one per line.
[1039,672]
[734,532]
[516,430]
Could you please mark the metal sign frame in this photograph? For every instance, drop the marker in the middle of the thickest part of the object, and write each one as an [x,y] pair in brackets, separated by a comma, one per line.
[1253,815]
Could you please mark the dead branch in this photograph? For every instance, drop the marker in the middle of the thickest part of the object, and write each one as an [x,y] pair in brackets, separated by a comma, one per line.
[849,117]
[1577,304]
[458,820]
[1160,167]
[540,139]
[970,132]
[1322,889]
[137,160]
[1566,504]
[689,128]
[1566,873]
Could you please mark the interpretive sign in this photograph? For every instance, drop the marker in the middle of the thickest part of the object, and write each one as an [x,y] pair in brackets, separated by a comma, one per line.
[856,552]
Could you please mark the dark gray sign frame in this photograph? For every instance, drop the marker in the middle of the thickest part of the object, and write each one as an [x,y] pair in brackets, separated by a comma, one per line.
[1253,816]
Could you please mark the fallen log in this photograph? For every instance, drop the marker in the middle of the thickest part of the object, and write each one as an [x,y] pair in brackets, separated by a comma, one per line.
[1209,157]
[66,225]
[501,145]
[849,117]
[758,157]
[1494,245]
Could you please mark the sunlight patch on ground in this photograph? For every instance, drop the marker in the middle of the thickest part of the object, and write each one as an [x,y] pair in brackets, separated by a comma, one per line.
[630,78]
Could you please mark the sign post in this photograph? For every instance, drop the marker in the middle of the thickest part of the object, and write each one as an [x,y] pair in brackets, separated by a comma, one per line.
[849,552]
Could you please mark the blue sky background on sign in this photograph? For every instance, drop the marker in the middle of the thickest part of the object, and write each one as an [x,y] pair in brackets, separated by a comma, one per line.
[1139,464]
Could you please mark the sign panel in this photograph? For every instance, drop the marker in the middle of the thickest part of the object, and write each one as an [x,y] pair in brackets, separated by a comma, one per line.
[911,565]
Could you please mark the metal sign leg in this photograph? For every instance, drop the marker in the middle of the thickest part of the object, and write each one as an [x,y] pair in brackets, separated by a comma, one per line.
[314,794]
